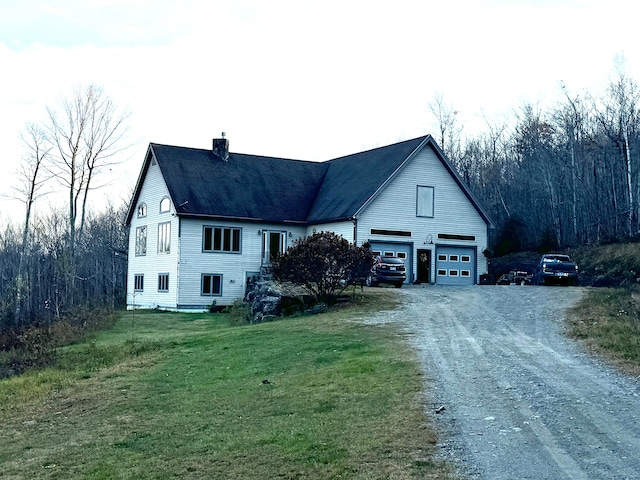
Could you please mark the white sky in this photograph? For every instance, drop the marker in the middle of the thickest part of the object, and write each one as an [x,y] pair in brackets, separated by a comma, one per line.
[309,80]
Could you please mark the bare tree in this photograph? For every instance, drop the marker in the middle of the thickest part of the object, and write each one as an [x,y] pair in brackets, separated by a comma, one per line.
[618,115]
[31,181]
[449,129]
[87,132]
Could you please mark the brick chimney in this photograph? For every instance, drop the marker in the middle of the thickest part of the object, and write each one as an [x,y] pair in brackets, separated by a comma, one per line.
[221,148]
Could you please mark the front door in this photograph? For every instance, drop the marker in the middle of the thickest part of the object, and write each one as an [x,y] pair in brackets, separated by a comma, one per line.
[272,245]
[424,266]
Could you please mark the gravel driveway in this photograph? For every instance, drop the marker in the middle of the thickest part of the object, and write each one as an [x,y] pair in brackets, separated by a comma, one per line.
[521,401]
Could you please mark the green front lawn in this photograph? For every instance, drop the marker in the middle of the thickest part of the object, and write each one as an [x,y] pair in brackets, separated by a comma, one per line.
[190,397]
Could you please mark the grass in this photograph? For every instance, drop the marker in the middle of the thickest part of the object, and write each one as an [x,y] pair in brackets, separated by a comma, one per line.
[607,320]
[188,396]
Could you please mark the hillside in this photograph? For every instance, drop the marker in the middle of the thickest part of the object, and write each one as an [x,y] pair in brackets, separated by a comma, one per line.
[600,266]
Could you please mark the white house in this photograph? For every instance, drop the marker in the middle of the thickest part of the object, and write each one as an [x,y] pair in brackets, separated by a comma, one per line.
[203,221]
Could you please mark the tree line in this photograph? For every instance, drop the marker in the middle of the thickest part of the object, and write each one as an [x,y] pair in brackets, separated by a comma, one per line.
[69,259]
[564,176]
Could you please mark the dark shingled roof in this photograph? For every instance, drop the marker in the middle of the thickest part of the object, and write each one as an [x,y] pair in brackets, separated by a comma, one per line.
[352,180]
[244,186]
[251,187]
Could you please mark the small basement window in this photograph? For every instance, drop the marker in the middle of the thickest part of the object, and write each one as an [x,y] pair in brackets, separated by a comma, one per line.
[163,282]
[138,282]
[211,284]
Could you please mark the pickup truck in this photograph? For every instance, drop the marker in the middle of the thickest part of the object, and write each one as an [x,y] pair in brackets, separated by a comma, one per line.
[556,268]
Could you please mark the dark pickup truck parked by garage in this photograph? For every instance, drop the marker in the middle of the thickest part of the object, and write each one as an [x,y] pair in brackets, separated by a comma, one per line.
[557,268]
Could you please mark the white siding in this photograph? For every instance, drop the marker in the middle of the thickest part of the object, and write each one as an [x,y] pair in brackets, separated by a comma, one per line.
[395,209]
[153,190]
[344,229]
[234,267]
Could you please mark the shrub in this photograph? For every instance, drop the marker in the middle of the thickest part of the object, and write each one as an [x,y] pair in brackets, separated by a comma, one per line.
[324,264]
[238,313]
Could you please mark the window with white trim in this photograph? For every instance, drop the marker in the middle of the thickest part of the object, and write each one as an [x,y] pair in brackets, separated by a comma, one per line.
[442,273]
[221,239]
[424,201]
[388,254]
[142,210]
[442,258]
[163,282]
[211,284]
[141,240]
[453,273]
[465,258]
[164,237]
[138,282]
[465,273]
[402,254]
[165,205]
[453,258]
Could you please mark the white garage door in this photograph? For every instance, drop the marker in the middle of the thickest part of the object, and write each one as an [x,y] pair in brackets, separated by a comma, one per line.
[455,265]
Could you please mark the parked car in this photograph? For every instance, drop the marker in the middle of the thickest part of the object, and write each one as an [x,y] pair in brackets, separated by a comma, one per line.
[515,277]
[387,270]
[557,268]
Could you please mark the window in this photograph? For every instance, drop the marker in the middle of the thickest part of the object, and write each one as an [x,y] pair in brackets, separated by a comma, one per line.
[402,254]
[388,254]
[163,282]
[442,273]
[453,258]
[451,236]
[442,258]
[141,240]
[220,239]
[211,284]
[142,210]
[453,273]
[465,273]
[138,282]
[465,258]
[164,237]
[424,202]
[375,253]
[165,205]
[397,233]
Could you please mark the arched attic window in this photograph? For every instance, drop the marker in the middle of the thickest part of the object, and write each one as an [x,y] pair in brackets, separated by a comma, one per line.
[165,205]
[142,210]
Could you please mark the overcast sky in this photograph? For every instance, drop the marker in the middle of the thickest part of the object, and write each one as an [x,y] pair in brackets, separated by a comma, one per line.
[309,80]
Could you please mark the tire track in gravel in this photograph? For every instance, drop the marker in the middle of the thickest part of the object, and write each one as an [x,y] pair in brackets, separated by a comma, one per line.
[522,401]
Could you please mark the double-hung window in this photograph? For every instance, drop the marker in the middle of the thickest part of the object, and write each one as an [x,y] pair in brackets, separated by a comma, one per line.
[164,237]
[221,239]
[141,240]
[424,201]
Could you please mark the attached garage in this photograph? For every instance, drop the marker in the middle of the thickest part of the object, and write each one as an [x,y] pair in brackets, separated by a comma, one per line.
[400,250]
[455,265]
